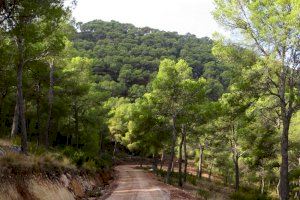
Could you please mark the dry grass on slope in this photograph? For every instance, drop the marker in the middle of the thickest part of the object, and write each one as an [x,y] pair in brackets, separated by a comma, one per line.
[19,164]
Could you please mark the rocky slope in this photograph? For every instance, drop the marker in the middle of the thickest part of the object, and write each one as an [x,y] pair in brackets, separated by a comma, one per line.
[47,177]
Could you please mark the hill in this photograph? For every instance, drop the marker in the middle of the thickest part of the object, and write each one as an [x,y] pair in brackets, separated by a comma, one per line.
[127,57]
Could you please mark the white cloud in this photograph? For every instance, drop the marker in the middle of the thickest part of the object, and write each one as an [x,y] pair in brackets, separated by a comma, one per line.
[182,16]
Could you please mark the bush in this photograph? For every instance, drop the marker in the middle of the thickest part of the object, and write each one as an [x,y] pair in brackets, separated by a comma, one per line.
[203,193]
[82,159]
[104,161]
[192,179]
[37,150]
[69,151]
[78,158]
[250,195]
[90,165]
[161,173]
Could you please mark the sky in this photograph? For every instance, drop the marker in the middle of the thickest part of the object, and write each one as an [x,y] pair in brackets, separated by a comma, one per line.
[182,16]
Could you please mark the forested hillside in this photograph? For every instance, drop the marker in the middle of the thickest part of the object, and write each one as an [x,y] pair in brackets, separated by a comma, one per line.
[218,115]
[127,57]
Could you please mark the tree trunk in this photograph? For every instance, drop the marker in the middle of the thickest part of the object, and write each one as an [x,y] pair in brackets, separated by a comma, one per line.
[15,125]
[174,137]
[115,150]
[1,115]
[69,141]
[235,158]
[278,187]
[20,98]
[236,172]
[173,166]
[76,124]
[226,177]
[162,159]
[298,193]
[180,158]
[284,183]
[154,164]
[67,144]
[50,103]
[200,169]
[38,105]
[285,114]
[185,158]
[262,185]
[3,95]
[210,171]
[101,143]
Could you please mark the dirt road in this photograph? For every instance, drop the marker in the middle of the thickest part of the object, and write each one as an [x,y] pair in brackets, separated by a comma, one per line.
[134,183]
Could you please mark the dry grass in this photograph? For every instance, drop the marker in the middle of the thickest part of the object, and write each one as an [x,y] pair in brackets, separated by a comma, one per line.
[19,164]
[39,176]
[5,143]
[34,189]
[46,190]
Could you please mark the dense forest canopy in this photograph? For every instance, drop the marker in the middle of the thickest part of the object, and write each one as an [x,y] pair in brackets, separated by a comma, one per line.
[96,91]
[127,57]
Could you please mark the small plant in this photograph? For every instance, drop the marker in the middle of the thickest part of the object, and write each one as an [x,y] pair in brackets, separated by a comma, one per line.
[192,179]
[202,193]
[249,195]
[90,165]
[161,173]
[69,151]
[78,158]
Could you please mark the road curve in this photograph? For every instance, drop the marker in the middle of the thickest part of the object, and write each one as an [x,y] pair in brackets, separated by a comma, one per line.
[134,183]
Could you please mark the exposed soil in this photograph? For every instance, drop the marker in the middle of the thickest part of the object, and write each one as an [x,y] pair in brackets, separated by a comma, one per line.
[134,183]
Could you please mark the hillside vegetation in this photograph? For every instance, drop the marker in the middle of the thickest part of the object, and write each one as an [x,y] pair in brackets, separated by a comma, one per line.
[126,58]
[221,110]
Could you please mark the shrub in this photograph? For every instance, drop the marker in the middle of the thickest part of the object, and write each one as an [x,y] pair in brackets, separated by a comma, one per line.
[69,151]
[36,150]
[78,158]
[161,173]
[202,193]
[90,165]
[192,179]
[250,195]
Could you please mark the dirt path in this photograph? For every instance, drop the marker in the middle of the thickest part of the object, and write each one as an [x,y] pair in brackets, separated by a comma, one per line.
[134,183]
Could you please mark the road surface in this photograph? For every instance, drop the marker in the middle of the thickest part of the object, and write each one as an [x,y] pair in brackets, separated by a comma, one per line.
[134,183]
[137,184]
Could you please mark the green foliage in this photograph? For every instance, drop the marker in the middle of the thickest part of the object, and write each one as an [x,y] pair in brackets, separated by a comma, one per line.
[77,157]
[273,99]
[202,193]
[90,165]
[192,179]
[130,56]
[141,88]
[105,161]
[249,195]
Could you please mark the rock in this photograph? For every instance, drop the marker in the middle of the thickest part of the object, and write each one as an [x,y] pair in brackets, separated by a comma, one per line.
[64,180]
[77,188]
[69,176]
[2,152]
[95,192]
[15,149]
